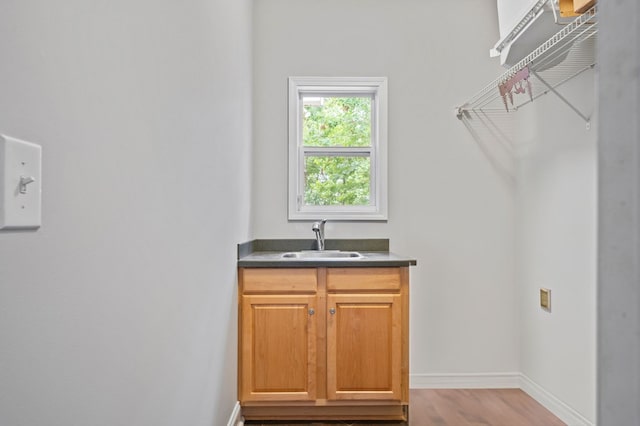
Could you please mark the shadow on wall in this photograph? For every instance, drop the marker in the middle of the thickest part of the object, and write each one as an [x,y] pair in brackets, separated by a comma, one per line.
[225,369]
[494,136]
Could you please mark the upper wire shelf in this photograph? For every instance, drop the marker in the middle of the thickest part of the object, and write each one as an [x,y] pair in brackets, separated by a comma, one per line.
[566,54]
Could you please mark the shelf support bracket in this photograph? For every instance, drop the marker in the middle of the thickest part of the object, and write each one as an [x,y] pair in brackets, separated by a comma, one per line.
[586,119]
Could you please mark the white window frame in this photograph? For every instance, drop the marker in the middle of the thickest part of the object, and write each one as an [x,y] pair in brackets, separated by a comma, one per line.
[339,86]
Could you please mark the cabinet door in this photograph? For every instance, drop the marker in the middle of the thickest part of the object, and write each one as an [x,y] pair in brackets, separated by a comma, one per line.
[364,348]
[278,360]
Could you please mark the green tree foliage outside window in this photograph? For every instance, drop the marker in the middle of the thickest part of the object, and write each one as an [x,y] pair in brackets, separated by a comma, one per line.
[340,178]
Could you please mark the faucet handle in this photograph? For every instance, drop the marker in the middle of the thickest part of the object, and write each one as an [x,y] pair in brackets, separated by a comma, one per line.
[319,225]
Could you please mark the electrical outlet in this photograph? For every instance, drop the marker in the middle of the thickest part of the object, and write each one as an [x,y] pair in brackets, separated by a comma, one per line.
[545,299]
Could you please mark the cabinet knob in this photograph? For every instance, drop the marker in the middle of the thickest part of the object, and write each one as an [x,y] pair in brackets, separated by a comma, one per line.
[332,311]
[312,311]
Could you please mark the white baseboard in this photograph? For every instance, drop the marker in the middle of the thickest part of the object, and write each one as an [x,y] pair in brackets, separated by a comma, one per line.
[465,381]
[549,401]
[236,418]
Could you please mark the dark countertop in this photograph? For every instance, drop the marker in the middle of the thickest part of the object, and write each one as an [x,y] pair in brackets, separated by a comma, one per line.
[268,254]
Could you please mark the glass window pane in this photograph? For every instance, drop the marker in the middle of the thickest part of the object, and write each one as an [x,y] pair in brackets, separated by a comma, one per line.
[337,181]
[336,121]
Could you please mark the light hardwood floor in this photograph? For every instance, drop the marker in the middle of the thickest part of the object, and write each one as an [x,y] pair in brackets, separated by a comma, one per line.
[462,407]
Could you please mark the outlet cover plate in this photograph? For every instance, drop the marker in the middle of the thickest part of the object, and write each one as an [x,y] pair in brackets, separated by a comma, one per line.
[545,299]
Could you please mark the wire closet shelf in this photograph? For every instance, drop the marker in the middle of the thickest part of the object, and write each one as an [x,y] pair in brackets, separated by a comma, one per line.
[568,53]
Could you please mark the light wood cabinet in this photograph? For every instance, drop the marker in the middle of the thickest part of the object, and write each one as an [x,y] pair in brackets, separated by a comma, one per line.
[323,343]
[364,347]
[278,348]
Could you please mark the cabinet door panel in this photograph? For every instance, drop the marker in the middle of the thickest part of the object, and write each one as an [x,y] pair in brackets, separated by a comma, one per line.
[278,348]
[364,347]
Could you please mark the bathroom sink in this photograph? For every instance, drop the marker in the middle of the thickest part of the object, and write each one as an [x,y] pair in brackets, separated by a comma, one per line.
[322,254]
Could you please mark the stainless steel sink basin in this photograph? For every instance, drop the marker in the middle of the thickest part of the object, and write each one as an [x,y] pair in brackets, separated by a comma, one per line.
[322,255]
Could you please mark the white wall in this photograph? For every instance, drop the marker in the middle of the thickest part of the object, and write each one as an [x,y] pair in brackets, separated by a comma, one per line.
[448,207]
[121,310]
[556,244]
[619,214]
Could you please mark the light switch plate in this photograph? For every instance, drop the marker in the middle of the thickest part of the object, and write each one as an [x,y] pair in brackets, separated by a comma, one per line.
[20,184]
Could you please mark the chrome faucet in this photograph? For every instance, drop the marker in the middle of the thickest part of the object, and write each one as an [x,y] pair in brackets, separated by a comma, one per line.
[318,228]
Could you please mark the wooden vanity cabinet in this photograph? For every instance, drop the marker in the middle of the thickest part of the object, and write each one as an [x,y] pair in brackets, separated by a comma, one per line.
[323,343]
[278,335]
[364,334]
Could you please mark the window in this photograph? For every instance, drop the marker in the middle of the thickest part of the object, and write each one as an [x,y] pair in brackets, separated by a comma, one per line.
[338,148]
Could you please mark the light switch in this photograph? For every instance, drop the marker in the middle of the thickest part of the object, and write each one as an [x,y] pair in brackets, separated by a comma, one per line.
[20,184]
